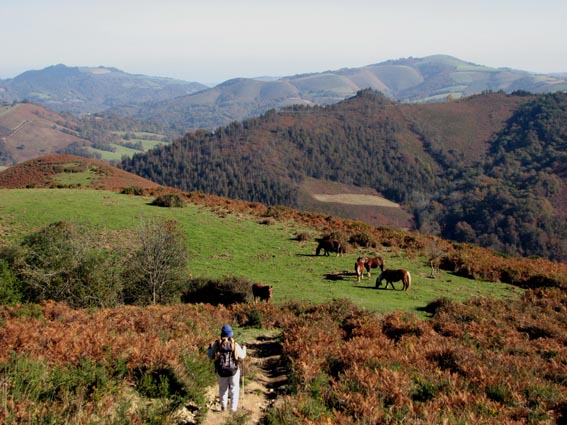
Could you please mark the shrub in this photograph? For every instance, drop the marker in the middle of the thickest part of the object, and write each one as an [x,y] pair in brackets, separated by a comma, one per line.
[133,190]
[230,290]
[10,291]
[363,240]
[169,200]
[303,237]
[57,262]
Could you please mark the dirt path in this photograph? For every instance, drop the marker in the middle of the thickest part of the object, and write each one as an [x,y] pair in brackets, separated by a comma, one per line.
[264,379]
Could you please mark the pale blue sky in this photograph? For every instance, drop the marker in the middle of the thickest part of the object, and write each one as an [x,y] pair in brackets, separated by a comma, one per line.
[210,41]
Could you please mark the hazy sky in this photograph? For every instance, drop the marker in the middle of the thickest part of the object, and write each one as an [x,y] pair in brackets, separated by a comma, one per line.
[211,41]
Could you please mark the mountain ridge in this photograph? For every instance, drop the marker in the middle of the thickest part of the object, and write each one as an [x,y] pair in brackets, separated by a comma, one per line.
[89,89]
[409,80]
[193,105]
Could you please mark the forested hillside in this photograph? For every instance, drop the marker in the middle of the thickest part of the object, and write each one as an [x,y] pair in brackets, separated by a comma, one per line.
[486,169]
[516,200]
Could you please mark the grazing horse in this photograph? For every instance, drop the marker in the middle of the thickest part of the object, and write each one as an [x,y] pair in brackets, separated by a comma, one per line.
[392,276]
[262,292]
[372,263]
[330,245]
[359,269]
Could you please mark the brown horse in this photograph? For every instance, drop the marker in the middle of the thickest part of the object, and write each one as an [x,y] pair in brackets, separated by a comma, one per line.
[392,276]
[359,269]
[262,292]
[330,245]
[372,263]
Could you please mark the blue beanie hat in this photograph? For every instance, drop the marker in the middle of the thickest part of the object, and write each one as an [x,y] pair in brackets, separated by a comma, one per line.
[226,331]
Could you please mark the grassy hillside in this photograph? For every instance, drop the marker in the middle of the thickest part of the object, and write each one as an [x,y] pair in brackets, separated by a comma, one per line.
[225,243]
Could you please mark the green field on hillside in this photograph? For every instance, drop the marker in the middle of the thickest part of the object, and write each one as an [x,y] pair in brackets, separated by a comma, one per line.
[222,243]
[121,151]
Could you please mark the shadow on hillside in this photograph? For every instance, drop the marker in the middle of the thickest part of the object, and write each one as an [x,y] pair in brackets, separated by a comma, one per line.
[335,276]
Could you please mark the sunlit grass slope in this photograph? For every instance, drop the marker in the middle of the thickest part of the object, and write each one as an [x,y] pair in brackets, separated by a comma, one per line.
[222,243]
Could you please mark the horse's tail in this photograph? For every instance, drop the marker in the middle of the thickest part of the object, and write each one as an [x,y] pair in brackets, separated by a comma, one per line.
[408,276]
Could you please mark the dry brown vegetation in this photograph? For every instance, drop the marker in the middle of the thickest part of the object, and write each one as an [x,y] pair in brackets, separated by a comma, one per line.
[481,361]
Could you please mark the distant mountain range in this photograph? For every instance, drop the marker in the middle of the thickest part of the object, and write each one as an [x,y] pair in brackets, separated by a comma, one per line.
[193,105]
[88,89]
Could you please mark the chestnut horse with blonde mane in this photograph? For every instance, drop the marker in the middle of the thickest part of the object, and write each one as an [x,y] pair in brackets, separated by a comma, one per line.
[359,269]
[372,263]
[392,276]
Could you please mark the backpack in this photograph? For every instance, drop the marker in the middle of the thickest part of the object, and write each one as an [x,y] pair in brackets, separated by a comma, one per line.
[226,361]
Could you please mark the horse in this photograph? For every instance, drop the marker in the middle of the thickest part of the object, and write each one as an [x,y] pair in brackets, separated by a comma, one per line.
[330,245]
[373,263]
[392,276]
[359,269]
[262,292]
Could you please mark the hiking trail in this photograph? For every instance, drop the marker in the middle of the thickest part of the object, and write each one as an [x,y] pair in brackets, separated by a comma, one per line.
[264,379]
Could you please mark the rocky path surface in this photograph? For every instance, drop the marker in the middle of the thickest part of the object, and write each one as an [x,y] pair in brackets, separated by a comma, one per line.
[264,380]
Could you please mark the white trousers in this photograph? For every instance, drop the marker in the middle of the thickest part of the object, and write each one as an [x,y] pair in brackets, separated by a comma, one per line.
[229,386]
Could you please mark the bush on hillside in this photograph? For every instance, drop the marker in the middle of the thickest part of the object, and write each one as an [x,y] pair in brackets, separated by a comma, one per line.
[227,291]
[169,200]
[133,190]
[58,262]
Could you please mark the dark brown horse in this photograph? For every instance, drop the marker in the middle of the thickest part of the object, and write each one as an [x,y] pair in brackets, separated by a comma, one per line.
[392,276]
[328,246]
[372,263]
[359,269]
[262,292]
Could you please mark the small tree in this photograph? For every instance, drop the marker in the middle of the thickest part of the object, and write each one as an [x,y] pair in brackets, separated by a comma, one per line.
[156,269]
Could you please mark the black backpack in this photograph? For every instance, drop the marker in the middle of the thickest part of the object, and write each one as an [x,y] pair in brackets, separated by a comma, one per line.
[226,362]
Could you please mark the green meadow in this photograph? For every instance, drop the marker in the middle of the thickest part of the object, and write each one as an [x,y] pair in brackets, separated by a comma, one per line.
[222,243]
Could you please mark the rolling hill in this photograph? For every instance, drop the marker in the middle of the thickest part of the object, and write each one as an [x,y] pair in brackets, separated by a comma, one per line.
[28,130]
[364,142]
[425,157]
[60,171]
[412,80]
[90,89]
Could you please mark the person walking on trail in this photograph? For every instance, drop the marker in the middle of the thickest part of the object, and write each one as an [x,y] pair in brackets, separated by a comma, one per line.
[226,353]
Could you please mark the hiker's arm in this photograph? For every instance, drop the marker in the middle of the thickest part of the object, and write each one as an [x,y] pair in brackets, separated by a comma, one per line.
[211,350]
[240,351]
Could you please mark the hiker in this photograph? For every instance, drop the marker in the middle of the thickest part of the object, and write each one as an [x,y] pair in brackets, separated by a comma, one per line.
[226,353]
